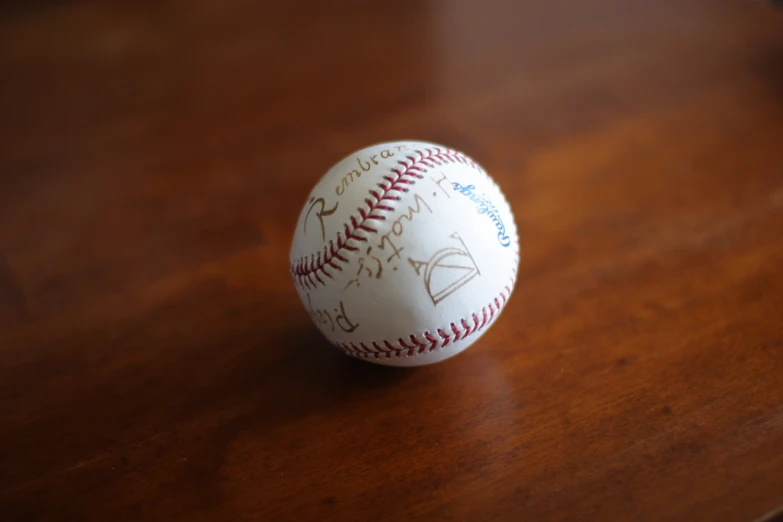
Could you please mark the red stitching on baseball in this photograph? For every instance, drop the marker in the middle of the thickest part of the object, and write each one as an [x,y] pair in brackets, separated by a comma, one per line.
[467,326]
[303,269]
[456,331]
[459,331]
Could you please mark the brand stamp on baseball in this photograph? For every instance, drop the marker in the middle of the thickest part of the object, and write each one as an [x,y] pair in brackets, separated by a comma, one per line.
[485,206]
[405,253]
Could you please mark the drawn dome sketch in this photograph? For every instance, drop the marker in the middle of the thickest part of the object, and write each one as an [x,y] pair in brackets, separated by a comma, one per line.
[447,270]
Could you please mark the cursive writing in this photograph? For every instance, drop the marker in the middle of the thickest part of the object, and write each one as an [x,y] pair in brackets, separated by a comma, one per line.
[485,206]
[323,317]
[439,181]
[365,269]
[320,214]
[363,166]
[398,227]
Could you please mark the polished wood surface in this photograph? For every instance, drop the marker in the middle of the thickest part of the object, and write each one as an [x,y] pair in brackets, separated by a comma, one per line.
[156,363]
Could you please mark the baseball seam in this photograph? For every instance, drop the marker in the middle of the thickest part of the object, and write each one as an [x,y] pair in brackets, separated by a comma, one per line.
[307,271]
[427,342]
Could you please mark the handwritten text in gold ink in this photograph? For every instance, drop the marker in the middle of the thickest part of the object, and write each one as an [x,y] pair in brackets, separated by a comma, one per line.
[398,227]
[363,166]
[320,214]
[323,317]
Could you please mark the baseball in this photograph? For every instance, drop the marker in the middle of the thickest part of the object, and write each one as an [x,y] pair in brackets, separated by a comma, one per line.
[405,253]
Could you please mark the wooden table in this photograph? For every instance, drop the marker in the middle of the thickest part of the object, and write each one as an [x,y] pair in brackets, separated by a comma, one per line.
[157,364]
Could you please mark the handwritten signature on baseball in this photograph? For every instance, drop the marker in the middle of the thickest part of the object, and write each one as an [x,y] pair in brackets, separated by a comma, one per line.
[323,317]
[485,206]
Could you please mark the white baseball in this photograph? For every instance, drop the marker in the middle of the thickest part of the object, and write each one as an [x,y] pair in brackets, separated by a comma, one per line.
[405,253]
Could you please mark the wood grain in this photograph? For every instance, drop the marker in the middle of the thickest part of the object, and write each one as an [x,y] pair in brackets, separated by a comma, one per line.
[156,364]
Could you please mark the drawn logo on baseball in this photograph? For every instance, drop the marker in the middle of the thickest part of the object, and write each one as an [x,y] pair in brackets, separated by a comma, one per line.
[405,253]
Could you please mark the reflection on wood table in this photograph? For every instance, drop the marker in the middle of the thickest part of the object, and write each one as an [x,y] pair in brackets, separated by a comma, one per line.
[156,362]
